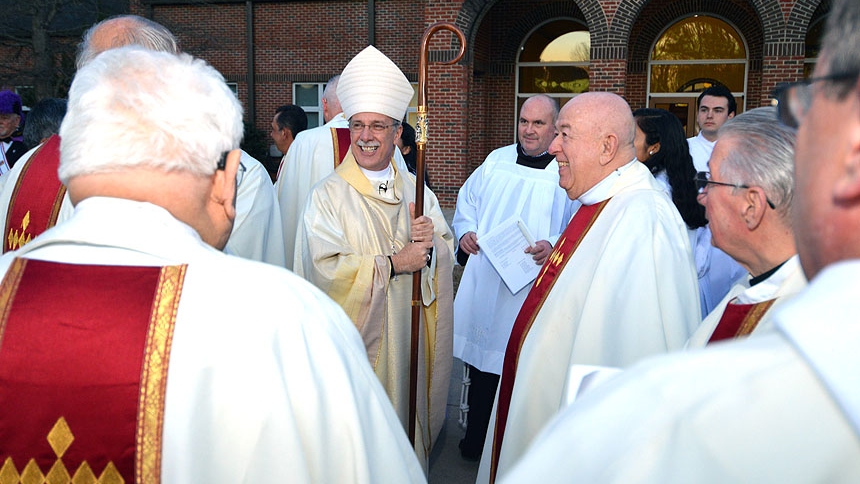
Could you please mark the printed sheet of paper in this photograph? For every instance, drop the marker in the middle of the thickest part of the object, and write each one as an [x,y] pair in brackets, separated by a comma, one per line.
[505,245]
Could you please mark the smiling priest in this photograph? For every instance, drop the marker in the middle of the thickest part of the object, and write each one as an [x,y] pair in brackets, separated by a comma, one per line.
[360,243]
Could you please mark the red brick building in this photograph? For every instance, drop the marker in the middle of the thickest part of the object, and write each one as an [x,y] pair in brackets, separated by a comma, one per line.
[652,52]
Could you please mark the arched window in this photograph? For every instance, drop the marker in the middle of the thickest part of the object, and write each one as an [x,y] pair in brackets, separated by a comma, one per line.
[691,55]
[554,60]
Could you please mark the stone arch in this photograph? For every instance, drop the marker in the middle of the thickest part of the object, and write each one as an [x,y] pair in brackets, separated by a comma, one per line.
[804,13]
[662,13]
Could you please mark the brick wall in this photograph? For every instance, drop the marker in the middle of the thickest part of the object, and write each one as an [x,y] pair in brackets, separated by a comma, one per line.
[472,104]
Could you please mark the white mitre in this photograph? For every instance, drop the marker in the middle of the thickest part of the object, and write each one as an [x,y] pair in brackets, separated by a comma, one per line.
[372,83]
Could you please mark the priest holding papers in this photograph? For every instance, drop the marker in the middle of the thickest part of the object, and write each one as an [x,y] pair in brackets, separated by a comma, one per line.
[619,285]
[519,180]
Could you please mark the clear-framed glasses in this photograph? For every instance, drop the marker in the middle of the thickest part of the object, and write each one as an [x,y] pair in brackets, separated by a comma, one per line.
[375,128]
[703,179]
[793,98]
[240,172]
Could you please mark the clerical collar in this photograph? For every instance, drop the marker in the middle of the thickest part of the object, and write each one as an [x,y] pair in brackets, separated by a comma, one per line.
[380,175]
[381,181]
[764,275]
[538,162]
[601,191]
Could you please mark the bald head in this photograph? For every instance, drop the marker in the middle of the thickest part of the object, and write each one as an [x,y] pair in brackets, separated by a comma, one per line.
[595,136]
[121,31]
[536,126]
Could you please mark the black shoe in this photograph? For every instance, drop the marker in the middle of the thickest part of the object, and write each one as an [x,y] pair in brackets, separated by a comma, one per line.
[469,454]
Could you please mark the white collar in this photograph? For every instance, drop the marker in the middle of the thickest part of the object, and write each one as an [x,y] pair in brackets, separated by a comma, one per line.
[601,191]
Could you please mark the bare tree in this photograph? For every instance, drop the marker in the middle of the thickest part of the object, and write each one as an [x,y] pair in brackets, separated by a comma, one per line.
[38,39]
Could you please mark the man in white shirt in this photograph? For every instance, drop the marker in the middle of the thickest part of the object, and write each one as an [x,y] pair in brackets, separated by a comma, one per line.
[715,106]
[777,407]
[169,360]
[748,196]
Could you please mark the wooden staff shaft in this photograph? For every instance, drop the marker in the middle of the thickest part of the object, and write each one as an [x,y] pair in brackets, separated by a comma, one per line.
[421,142]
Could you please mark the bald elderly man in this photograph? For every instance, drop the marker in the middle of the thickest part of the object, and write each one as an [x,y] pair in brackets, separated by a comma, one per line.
[631,290]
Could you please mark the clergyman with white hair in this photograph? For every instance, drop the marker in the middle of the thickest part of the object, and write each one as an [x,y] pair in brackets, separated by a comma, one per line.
[747,195]
[130,348]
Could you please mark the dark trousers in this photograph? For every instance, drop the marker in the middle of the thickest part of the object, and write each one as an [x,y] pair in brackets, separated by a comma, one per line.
[482,393]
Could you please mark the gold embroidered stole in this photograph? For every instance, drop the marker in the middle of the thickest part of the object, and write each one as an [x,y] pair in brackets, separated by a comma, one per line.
[37,197]
[573,235]
[739,320]
[340,141]
[84,352]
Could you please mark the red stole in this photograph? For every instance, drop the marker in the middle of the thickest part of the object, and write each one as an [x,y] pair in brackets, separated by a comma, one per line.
[739,320]
[84,352]
[555,263]
[340,140]
[37,197]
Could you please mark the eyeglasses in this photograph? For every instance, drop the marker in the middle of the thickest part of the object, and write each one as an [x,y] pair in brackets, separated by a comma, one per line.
[240,172]
[793,98]
[703,179]
[375,128]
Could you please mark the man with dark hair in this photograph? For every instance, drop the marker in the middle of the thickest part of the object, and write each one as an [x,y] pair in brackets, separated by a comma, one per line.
[289,121]
[10,117]
[777,407]
[43,121]
[715,106]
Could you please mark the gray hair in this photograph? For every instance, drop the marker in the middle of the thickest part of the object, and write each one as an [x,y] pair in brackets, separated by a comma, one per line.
[840,42]
[44,120]
[132,107]
[126,30]
[763,155]
[330,92]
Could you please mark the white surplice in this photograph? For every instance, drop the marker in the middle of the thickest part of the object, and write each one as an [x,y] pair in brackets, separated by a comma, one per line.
[781,406]
[627,292]
[700,150]
[268,381]
[716,270]
[484,308]
[787,281]
[256,233]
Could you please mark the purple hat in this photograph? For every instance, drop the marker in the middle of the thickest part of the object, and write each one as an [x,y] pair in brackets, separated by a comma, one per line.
[10,103]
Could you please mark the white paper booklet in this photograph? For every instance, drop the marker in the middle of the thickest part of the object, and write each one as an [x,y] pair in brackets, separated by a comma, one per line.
[505,245]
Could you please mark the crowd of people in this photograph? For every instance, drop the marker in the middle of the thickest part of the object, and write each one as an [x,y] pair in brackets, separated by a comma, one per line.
[169,314]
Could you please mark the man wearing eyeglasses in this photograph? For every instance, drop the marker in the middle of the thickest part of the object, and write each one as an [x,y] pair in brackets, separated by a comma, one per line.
[361,242]
[782,406]
[748,198]
[134,349]
[715,105]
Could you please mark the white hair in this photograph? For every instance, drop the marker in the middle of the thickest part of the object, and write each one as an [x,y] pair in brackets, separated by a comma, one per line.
[131,107]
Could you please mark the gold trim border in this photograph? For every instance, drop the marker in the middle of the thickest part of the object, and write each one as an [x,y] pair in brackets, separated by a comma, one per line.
[153,381]
[8,289]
